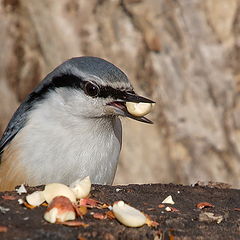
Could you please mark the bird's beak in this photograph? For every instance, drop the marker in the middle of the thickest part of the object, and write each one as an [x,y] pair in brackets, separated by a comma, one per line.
[120,106]
[132,97]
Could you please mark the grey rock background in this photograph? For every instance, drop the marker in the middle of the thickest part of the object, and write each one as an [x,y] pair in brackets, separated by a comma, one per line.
[185,54]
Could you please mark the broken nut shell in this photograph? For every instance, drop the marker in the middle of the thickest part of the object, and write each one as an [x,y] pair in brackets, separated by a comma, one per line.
[60,210]
[53,190]
[168,200]
[81,187]
[128,215]
[35,198]
[139,109]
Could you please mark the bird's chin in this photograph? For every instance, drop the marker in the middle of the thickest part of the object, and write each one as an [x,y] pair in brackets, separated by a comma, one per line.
[120,109]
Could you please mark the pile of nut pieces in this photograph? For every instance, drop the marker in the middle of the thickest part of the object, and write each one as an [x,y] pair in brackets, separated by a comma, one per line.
[62,201]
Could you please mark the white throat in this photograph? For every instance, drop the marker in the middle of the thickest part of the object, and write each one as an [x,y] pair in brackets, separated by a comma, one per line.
[58,146]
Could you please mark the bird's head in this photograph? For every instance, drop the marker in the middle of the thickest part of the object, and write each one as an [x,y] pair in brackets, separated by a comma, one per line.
[92,87]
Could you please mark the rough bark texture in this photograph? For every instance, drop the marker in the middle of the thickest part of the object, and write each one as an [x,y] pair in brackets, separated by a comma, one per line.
[184,54]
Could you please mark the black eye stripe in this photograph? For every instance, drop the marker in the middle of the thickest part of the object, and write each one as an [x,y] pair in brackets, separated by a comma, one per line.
[73,81]
[107,91]
[67,80]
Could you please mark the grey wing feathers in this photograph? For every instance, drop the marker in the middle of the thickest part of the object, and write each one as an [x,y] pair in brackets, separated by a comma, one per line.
[19,118]
[14,126]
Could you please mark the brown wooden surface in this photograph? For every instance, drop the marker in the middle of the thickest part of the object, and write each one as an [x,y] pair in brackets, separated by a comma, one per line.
[187,223]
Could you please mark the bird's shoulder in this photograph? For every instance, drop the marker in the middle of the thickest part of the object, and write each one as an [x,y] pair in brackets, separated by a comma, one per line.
[19,118]
[14,126]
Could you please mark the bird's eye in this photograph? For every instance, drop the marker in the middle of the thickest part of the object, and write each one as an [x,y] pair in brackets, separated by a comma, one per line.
[91,89]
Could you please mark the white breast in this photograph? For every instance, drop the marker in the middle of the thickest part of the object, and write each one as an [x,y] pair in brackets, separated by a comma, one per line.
[59,147]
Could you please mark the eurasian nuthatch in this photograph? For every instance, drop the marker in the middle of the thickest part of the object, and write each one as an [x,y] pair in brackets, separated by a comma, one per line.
[68,127]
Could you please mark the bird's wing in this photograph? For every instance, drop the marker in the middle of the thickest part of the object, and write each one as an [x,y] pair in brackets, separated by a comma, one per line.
[15,125]
[19,118]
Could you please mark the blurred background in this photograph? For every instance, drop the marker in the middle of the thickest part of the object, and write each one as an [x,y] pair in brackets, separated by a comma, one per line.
[184,54]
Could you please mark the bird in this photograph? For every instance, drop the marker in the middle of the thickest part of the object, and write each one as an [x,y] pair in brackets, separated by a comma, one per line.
[68,127]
